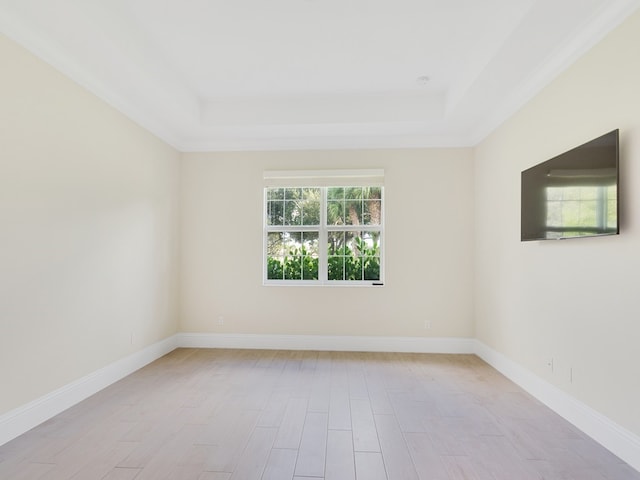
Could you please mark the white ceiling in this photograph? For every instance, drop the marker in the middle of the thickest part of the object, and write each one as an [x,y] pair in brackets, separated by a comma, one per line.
[282,74]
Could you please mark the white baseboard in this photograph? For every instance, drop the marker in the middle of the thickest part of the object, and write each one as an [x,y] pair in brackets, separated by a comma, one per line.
[612,436]
[328,343]
[618,440]
[24,418]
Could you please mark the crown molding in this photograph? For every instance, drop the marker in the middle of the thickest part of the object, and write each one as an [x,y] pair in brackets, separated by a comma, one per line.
[182,121]
[598,28]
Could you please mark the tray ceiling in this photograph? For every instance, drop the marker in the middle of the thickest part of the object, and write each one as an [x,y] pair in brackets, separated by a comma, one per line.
[283,74]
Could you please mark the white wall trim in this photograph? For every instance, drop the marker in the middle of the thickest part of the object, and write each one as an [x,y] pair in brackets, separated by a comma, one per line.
[328,343]
[24,418]
[612,436]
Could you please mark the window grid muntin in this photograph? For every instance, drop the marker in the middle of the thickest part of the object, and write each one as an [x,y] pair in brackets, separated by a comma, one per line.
[341,199]
[323,229]
[292,204]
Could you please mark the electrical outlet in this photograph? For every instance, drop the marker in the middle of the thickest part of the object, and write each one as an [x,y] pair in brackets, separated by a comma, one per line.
[427,324]
[220,320]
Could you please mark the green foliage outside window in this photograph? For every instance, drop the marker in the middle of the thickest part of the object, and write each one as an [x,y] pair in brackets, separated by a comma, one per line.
[297,265]
[359,261]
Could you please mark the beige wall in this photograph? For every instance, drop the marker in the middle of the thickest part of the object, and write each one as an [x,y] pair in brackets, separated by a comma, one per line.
[575,301]
[428,248]
[88,232]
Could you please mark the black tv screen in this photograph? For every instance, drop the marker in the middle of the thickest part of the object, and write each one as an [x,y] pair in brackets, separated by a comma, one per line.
[574,194]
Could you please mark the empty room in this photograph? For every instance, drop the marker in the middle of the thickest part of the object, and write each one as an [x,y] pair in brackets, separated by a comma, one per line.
[308,239]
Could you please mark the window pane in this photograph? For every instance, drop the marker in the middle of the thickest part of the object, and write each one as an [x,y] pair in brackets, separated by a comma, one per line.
[335,267]
[275,255]
[292,256]
[309,255]
[353,212]
[292,268]
[353,255]
[373,193]
[310,244]
[335,212]
[372,212]
[371,268]
[301,206]
[309,268]
[353,193]
[362,206]
[311,206]
[336,243]
[275,212]
[292,212]
[335,193]
[275,244]
[337,251]
[353,268]
[292,193]
[274,268]
[369,250]
[275,193]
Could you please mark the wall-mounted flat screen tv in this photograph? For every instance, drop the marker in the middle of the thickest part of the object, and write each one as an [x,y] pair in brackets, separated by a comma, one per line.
[574,194]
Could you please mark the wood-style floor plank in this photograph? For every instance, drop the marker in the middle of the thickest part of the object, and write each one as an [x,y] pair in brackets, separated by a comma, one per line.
[370,466]
[340,456]
[427,461]
[214,476]
[254,457]
[365,435]
[339,406]
[223,414]
[28,471]
[281,464]
[313,446]
[292,424]
[120,473]
[395,453]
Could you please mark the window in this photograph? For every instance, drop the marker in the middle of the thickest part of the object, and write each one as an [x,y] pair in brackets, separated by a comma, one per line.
[323,228]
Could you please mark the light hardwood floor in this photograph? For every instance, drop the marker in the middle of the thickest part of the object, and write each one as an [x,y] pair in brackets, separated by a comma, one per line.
[282,415]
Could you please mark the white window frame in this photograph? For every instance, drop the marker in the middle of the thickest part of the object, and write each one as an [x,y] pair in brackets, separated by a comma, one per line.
[323,179]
